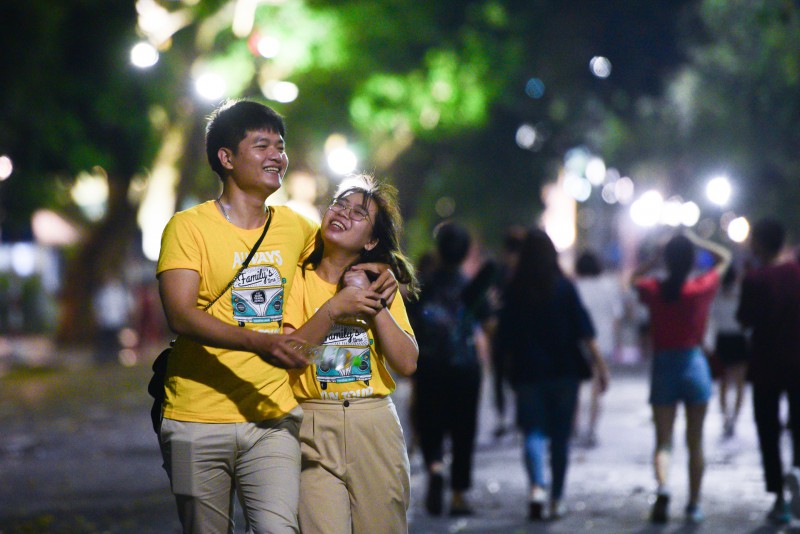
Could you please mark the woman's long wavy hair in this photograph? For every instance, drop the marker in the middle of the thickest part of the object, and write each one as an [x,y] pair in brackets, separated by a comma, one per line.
[534,279]
[679,259]
[387,228]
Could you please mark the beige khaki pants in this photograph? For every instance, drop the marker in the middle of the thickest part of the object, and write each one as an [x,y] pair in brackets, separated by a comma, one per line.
[355,476]
[208,463]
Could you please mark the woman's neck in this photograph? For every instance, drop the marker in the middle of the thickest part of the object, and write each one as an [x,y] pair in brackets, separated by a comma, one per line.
[333,265]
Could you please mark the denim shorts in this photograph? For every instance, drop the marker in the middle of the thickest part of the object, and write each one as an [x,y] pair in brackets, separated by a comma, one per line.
[680,375]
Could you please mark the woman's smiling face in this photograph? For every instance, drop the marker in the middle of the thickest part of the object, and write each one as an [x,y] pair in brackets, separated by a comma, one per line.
[347,224]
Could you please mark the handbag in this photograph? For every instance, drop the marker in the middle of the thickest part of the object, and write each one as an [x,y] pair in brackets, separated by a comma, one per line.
[155,387]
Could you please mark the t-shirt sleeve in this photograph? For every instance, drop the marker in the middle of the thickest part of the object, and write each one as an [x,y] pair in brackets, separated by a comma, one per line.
[647,288]
[309,231]
[180,247]
[293,314]
[398,310]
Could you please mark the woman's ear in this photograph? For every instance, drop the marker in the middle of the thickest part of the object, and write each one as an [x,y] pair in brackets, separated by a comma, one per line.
[371,244]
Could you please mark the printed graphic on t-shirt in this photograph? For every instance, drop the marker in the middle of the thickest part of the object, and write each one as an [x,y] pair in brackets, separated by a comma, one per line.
[349,361]
[258,295]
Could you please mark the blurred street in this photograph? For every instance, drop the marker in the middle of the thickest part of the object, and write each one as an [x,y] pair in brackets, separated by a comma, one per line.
[77,454]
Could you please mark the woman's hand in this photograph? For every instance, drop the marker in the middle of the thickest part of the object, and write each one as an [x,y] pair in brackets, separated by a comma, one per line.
[385,284]
[351,301]
[356,278]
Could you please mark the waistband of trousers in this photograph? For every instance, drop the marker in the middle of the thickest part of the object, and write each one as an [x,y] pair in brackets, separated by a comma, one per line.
[369,403]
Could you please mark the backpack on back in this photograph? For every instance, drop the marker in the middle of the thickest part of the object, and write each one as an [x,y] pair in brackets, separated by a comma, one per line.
[443,325]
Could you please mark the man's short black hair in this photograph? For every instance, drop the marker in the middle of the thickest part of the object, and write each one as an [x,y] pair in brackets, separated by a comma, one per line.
[769,234]
[452,243]
[229,124]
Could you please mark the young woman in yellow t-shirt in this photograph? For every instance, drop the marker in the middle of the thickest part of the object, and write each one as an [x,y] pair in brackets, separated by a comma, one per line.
[355,469]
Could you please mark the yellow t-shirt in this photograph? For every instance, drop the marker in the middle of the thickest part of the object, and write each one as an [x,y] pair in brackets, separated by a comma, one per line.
[368,375]
[212,385]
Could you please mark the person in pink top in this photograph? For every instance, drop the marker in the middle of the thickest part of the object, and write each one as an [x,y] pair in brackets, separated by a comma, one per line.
[679,305]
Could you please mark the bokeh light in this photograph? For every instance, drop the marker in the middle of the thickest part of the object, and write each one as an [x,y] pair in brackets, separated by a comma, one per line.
[577,187]
[718,190]
[6,167]
[445,207]
[600,66]
[342,160]
[281,91]
[624,190]
[690,214]
[595,170]
[534,88]
[672,212]
[738,230]
[211,86]
[144,55]
[646,210]
[526,136]
[268,47]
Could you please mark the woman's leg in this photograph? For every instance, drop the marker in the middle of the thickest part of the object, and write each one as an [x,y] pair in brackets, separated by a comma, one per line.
[739,374]
[695,417]
[563,400]
[594,410]
[664,419]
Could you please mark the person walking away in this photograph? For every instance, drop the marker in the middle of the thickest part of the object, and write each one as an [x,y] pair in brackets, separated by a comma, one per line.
[679,305]
[601,294]
[229,419]
[770,307]
[448,377]
[508,259]
[547,334]
[355,470]
[730,350]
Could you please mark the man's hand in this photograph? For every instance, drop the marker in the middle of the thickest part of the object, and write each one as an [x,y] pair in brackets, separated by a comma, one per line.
[281,351]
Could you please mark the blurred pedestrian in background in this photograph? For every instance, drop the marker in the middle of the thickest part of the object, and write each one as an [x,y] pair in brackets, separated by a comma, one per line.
[548,338]
[679,305]
[509,254]
[446,321]
[601,294]
[355,470]
[770,305]
[112,306]
[730,350]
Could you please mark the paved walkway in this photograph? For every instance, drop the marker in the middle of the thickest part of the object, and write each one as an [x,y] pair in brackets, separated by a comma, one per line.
[77,454]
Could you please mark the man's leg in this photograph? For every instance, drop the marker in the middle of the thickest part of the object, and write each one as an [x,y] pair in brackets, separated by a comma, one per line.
[198,458]
[268,473]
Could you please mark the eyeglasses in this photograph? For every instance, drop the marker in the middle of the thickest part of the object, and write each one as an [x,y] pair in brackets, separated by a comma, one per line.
[355,213]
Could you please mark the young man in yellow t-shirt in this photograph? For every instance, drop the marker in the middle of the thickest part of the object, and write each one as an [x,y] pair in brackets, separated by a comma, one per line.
[230,420]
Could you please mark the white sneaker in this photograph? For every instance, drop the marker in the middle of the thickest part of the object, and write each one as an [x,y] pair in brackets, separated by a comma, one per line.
[792,482]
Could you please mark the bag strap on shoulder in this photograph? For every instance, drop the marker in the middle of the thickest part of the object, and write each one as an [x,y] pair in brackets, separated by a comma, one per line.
[246,261]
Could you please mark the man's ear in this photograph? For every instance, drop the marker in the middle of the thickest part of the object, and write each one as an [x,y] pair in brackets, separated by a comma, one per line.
[225,156]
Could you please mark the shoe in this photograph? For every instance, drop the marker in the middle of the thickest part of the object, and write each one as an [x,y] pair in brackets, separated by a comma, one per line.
[660,511]
[557,510]
[433,499]
[459,506]
[536,505]
[728,429]
[780,514]
[499,431]
[792,482]
[694,514]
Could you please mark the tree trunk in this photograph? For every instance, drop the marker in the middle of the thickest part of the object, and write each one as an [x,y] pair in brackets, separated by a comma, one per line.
[107,249]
